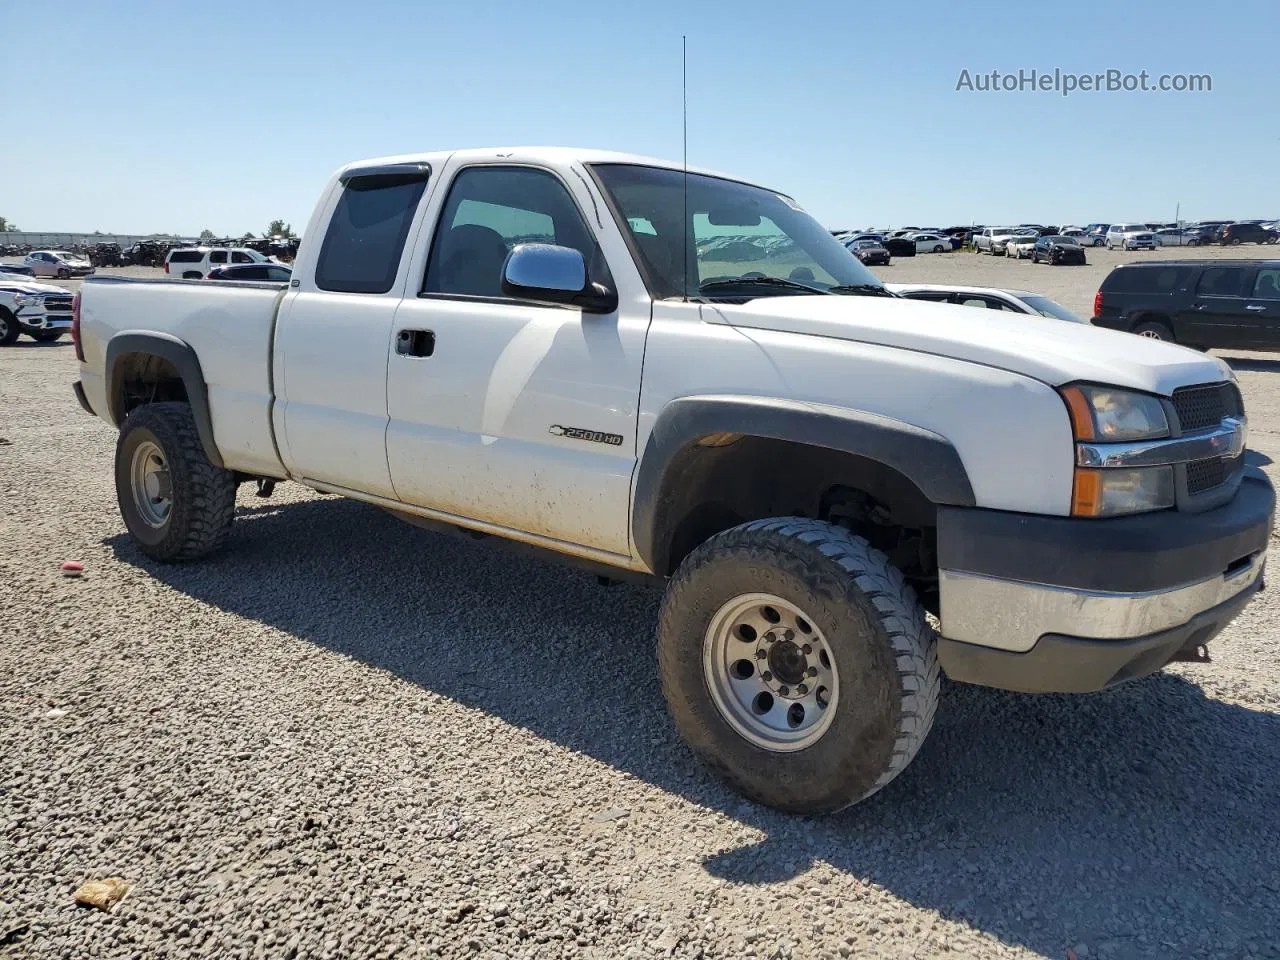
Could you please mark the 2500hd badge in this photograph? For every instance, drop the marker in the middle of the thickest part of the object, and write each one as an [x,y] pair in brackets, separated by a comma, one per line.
[581,433]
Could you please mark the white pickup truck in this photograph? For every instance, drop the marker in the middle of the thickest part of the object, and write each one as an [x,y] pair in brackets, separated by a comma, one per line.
[689,381]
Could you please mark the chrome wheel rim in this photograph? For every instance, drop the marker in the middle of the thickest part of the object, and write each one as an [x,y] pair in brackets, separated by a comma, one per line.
[4,328]
[1151,335]
[151,484]
[770,672]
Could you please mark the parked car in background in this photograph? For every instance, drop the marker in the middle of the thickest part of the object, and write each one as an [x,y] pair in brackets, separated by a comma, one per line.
[1200,303]
[58,263]
[899,246]
[870,252]
[42,311]
[1077,234]
[993,240]
[930,242]
[992,298]
[1097,234]
[1176,237]
[1057,250]
[1236,233]
[194,263]
[1019,247]
[1130,236]
[260,272]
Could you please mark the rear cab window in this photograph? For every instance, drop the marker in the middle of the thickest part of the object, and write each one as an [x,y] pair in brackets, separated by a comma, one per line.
[365,238]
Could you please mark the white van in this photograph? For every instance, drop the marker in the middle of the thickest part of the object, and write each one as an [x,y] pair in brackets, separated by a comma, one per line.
[194,263]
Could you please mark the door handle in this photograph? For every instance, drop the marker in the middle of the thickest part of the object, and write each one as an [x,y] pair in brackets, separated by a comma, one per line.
[415,343]
[1255,308]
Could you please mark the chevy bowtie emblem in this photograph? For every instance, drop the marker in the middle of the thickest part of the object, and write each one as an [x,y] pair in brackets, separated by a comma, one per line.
[581,433]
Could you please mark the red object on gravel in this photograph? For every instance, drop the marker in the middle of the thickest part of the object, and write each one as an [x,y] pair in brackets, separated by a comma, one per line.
[72,568]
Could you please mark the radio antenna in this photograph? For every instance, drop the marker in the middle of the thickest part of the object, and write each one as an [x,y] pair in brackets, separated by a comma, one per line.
[685,226]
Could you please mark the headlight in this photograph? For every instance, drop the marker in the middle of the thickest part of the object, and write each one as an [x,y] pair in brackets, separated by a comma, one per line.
[1106,415]
[22,299]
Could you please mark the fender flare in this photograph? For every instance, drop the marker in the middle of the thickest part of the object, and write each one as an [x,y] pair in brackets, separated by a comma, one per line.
[184,359]
[926,458]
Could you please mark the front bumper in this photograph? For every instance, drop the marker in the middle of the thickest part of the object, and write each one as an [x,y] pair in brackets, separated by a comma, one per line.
[1044,604]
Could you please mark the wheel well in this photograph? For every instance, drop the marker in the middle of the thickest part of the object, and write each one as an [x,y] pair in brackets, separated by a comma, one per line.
[1151,316]
[142,378]
[723,480]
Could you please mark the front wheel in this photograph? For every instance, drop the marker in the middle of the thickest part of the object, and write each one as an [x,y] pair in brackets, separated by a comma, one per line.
[175,503]
[9,328]
[938,248]
[798,663]
[64,274]
[46,336]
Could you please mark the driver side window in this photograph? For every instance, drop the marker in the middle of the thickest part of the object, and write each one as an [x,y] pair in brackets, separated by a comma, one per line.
[491,209]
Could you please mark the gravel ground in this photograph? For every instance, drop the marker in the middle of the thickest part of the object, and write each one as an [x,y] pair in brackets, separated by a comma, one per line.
[345,737]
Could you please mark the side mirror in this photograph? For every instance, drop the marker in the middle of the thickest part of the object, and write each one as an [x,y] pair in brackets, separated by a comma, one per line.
[553,274]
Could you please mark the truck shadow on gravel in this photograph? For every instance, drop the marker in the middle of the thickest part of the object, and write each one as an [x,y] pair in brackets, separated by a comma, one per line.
[1133,821]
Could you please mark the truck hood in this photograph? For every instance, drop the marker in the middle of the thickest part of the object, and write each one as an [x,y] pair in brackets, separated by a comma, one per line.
[1052,351]
[21,284]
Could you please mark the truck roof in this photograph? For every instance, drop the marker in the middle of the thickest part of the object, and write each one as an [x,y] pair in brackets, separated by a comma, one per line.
[562,157]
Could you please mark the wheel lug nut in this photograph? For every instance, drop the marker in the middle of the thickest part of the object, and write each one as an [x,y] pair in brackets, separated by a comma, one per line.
[760,654]
[806,649]
[802,689]
[784,690]
[813,671]
[766,676]
[788,635]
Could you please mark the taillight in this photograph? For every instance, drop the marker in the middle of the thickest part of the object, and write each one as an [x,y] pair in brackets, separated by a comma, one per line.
[75,326]
[166,268]
[1097,304]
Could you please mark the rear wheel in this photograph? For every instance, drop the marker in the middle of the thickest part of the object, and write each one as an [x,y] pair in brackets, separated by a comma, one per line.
[798,663]
[175,503]
[938,249]
[1154,330]
[193,275]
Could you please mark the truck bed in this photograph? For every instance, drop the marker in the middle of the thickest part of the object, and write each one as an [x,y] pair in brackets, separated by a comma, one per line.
[230,326]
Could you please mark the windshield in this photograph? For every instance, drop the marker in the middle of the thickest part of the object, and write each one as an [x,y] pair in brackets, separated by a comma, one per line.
[1048,308]
[256,257]
[1064,241]
[733,232]
[867,244]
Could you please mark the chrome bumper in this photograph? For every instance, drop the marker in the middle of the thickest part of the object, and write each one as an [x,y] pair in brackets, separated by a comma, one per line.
[1013,615]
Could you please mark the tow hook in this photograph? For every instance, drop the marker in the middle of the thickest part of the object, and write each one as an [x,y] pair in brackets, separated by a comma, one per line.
[266,487]
[1192,653]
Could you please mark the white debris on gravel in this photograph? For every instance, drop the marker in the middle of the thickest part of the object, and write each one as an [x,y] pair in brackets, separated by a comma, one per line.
[348,738]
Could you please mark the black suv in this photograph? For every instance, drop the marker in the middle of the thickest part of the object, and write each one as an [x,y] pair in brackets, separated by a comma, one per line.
[1246,233]
[1202,303]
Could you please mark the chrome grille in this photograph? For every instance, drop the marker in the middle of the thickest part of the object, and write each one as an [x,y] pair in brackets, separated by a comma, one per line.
[1199,408]
[57,304]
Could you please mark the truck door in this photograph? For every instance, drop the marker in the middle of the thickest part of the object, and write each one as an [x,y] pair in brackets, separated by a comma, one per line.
[333,335]
[515,413]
